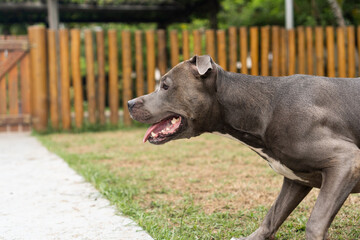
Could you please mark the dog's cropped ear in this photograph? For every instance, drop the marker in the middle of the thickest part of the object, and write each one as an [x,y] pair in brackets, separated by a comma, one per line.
[202,63]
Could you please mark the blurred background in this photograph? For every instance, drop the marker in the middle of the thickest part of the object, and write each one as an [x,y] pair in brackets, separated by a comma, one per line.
[89,57]
[16,15]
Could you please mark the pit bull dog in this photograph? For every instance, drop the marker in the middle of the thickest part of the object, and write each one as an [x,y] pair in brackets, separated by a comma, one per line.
[306,127]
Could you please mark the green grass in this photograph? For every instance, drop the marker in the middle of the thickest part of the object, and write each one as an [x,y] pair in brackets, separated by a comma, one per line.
[204,188]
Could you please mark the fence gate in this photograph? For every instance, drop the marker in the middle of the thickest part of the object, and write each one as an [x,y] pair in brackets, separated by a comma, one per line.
[14,84]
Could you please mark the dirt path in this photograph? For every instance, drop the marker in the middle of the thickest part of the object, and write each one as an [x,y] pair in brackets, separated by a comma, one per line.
[41,197]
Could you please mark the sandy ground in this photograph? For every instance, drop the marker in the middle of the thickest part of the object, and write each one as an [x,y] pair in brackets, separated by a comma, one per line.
[41,197]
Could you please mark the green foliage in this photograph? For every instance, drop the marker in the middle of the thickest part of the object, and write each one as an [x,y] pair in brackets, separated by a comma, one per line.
[255,12]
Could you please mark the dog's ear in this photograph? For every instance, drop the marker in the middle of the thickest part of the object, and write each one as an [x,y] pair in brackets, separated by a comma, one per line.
[202,63]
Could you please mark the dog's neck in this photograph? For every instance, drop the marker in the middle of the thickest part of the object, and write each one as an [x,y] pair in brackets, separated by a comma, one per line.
[252,96]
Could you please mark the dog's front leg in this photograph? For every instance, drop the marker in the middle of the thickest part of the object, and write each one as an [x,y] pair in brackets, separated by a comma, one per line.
[292,193]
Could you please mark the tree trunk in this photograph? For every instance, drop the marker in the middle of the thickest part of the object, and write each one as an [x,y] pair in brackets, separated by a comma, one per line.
[337,12]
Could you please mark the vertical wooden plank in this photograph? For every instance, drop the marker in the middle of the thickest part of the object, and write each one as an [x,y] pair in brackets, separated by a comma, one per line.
[174,48]
[162,61]
[53,79]
[186,48]
[197,42]
[150,60]
[275,36]
[76,77]
[309,50]
[340,32]
[25,87]
[265,50]
[13,79]
[301,50]
[3,101]
[100,49]
[283,49]
[221,48]
[113,77]
[330,48]
[65,80]
[319,45]
[139,61]
[254,50]
[3,107]
[126,62]
[210,43]
[243,49]
[292,52]
[232,49]
[90,76]
[351,51]
[37,36]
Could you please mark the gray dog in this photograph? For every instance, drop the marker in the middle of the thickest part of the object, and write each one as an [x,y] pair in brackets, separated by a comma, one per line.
[307,128]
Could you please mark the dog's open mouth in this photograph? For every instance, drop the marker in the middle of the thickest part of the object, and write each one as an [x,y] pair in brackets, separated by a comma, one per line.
[164,130]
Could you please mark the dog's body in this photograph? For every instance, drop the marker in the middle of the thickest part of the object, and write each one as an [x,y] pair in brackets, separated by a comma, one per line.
[306,127]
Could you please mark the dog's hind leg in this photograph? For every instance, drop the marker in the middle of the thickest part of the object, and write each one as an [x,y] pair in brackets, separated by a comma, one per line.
[338,180]
[292,193]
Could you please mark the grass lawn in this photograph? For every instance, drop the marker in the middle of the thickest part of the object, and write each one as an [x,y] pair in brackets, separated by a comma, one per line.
[208,187]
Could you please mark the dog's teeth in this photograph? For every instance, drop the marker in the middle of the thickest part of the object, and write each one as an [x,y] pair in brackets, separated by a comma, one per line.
[167,129]
[163,131]
[173,121]
[153,134]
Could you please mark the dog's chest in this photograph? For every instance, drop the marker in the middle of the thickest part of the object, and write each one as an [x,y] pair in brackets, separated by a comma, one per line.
[273,163]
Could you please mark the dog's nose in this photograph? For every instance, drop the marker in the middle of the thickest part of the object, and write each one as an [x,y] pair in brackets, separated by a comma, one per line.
[131,104]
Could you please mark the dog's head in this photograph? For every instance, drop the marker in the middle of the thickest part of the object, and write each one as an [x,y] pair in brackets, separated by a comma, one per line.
[184,105]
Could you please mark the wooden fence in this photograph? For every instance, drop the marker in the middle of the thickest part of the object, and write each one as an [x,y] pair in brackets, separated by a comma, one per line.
[94,73]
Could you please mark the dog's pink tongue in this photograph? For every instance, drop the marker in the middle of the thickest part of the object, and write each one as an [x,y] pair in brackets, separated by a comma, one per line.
[148,132]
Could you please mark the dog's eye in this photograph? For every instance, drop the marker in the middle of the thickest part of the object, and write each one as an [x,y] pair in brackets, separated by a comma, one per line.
[165,87]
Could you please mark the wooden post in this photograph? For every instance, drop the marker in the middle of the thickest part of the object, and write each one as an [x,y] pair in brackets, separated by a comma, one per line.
[301,50]
[292,52]
[100,48]
[186,48]
[265,43]
[254,50]
[126,62]
[232,49]
[150,60]
[197,42]
[330,47]
[319,40]
[174,48]
[65,80]
[283,54]
[37,37]
[53,79]
[309,50]
[351,51]
[243,50]
[210,43]
[275,35]
[341,51]
[90,76]
[139,62]
[221,48]
[162,61]
[76,77]
[113,78]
